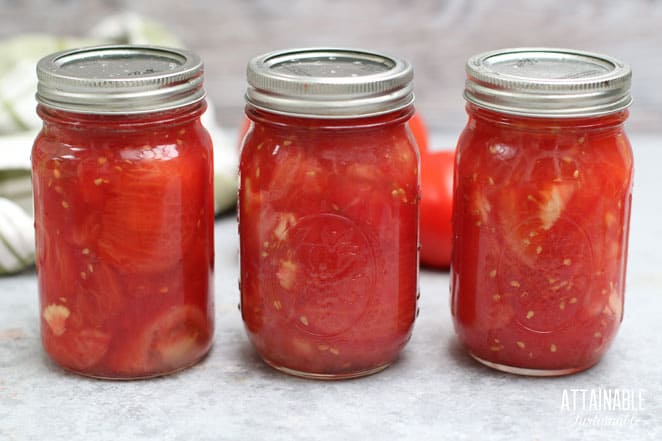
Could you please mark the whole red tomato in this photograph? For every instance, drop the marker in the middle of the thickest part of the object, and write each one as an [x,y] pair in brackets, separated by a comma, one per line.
[420,132]
[437,198]
[436,207]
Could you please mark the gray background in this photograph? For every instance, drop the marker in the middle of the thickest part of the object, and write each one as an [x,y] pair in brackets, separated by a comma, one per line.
[437,36]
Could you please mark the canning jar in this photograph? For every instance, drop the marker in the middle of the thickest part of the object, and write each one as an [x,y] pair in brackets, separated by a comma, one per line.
[122,176]
[328,211]
[542,199]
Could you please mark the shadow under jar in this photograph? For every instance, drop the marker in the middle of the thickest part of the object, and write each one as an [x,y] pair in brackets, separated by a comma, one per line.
[541,210]
[122,176]
[328,211]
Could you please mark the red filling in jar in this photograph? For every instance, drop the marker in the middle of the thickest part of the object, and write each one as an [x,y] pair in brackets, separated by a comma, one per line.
[124,222]
[328,221]
[541,212]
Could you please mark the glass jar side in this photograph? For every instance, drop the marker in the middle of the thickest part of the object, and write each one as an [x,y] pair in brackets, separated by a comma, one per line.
[328,218]
[124,235]
[541,220]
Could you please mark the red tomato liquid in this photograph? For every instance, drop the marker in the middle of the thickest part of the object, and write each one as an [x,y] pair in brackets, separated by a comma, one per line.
[124,235]
[328,219]
[541,217]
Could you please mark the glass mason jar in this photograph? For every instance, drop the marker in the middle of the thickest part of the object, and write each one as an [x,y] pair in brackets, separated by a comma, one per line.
[328,211]
[542,196]
[122,176]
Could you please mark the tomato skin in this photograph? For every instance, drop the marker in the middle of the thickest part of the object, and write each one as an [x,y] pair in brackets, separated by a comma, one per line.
[541,216]
[436,207]
[124,230]
[328,219]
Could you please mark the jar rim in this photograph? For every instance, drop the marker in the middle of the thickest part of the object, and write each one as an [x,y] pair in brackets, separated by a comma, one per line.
[548,82]
[329,83]
[120,79]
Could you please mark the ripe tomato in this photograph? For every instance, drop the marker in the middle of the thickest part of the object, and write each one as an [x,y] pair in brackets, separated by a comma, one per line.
[437,198]
[436,207]
[420,132]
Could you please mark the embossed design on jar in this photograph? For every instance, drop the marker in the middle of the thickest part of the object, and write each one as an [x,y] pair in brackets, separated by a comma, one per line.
[546,287]
[328,265]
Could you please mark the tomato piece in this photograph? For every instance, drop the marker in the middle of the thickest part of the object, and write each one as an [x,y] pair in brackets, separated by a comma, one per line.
[302,175]
[91,289]
[533,217]
[323,267]
[149,208]
[99,295]
[175,338]
[56,317]
[436,208]
[75,349]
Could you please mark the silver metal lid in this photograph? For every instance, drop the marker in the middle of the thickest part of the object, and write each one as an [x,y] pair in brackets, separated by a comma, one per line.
[545,82]
[125,79]
[329,83]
